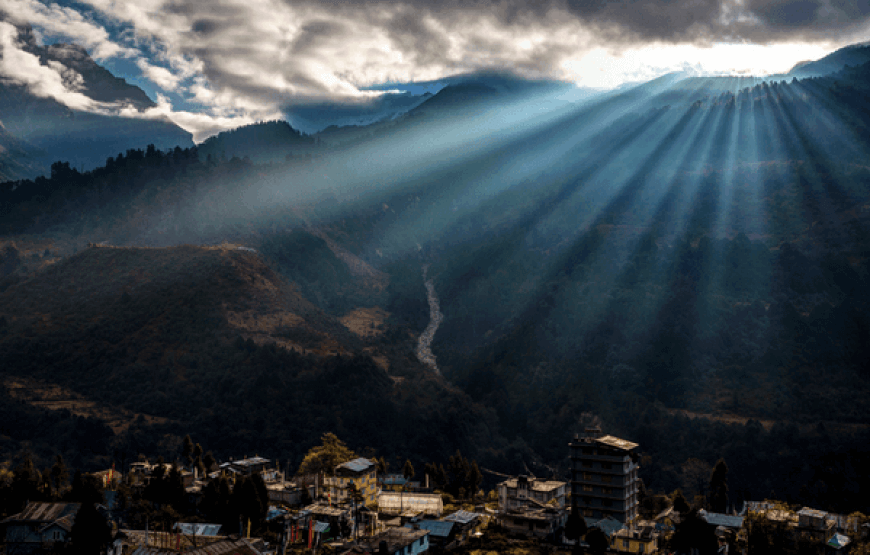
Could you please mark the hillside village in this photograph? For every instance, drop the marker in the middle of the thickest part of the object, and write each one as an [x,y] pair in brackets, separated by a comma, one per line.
[341,503]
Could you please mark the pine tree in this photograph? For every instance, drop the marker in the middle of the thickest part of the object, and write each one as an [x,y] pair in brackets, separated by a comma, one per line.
[209,461]
[575,528]
[408,470]
[186,450]
[473,479]
[680,503]
[90,532]
[25,483]
[59,475]
[719,487]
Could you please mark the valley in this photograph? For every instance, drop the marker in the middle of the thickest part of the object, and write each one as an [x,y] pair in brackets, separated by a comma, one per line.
[685,263]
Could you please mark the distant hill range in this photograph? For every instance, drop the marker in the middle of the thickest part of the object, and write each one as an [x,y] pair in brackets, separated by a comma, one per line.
[260,142]
[48,131]
[854,55]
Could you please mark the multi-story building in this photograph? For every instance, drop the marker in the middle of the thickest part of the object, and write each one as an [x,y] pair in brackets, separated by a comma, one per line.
[519,492]
[362,473]
[604,476]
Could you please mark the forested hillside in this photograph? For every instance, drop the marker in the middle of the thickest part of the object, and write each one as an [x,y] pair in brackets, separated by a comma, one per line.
[690,271]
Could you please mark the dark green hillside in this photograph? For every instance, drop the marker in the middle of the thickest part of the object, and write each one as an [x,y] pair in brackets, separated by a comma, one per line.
[693,274]
[221,346]
[260,142]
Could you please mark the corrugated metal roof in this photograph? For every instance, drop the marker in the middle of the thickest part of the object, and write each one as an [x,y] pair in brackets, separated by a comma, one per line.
[437,528]
[535,484]
[318,509]
[616,442]
[320,527]
[399,501]
[607,525]
[250,461]
[462,517]
[357,465]
[198,529]
[719,519]
[237,547]
[47,512]
[839,540]
[814,513]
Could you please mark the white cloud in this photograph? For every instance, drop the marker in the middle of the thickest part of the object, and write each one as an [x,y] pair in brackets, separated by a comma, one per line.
[65,22]
[160,76]
[46,81]
[245,60]
[201,124]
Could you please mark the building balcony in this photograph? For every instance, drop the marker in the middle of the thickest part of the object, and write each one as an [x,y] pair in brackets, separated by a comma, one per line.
[616,459]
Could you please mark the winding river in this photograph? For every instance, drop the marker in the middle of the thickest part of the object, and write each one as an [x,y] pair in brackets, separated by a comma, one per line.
[424,343]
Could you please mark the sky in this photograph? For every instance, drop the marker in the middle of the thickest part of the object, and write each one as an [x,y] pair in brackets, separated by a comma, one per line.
[217,64]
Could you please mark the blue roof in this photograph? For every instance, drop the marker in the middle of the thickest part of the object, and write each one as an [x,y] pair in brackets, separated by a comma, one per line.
[728,521]
[839,540]
[462,517]
[436,528]
[275,512]
[357,465]
[607,525]
[320,527]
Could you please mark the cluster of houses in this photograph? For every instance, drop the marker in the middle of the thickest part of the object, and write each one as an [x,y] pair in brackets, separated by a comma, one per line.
[355,511]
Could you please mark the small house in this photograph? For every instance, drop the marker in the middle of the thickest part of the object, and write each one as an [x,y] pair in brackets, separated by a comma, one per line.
[38,527]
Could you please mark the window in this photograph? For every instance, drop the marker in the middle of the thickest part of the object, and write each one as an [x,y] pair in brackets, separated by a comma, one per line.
[625,544]
[607,491]
[607,479]
[587,476]
[587,512]
[606,466]
[587,487]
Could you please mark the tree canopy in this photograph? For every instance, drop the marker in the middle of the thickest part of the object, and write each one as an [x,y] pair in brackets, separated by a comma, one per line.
[326,456]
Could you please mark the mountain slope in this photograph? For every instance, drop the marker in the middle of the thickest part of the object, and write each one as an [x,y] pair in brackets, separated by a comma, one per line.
[260,142]
[853,55]
[82,138]
[18,159]
[214,341]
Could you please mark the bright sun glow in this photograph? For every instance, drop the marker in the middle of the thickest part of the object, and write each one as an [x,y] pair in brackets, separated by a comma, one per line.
[601,68]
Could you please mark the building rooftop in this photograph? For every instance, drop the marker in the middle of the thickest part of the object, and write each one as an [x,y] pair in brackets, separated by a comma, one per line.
[250,461]
[543,515]
[46,512]
[535,484]
[813,513]
[838,541]
[357,465]
[324,510]
[239,546]
[397,538]
[719,519]
[197,529]
[608,525]
[612,441]
[394,502]
[436,528]
[462,517]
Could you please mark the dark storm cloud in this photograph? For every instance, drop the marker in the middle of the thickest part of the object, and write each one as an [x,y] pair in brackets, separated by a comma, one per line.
[645,20]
